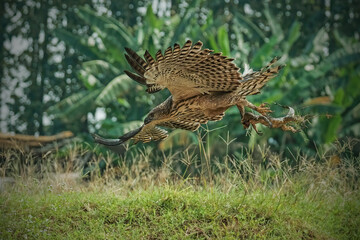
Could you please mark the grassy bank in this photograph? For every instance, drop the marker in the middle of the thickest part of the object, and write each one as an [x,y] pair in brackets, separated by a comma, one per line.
[170,212]
[318,198]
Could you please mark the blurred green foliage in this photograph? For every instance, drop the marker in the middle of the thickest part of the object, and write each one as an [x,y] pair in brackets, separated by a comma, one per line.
[317,41]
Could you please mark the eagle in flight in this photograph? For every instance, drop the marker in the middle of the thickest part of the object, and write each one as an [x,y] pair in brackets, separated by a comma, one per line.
[203,85]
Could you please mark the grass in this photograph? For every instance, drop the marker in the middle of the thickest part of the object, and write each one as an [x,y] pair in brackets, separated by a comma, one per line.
[316,199]
[169,212]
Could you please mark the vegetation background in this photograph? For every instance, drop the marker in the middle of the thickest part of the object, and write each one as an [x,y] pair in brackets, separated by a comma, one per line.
[62,66]
[62,63]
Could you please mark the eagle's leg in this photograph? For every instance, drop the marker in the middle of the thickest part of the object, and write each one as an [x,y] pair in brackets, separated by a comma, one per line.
[252,119]
[241,110]
[263,109]
[248,118]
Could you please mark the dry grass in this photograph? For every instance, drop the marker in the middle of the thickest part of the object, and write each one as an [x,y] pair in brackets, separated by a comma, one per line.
[264,197]
[335,169]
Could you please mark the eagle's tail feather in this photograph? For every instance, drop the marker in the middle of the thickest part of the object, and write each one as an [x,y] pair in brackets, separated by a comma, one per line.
[253,81]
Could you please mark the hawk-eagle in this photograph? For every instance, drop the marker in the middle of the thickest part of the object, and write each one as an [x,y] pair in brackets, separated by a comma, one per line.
[203,85]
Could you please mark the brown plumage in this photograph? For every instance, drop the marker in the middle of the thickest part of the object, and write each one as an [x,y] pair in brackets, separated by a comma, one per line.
[202,86]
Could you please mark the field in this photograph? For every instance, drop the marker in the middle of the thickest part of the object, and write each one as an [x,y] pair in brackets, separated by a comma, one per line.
[318,198]
[64,73]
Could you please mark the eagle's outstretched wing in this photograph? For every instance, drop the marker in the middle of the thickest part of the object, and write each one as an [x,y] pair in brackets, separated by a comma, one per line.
[186,71]
[150,133]
[145,133]
[185,118]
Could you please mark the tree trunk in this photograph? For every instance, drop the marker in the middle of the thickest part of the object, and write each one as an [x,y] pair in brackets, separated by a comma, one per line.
[2,39]
[32,111]
[44,65]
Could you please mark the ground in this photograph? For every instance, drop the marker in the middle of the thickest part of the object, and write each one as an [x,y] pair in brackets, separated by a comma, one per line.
[177,212]
[318,198]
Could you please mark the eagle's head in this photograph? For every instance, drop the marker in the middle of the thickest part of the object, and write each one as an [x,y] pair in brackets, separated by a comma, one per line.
[155,114]
[149,118]
[160,112]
